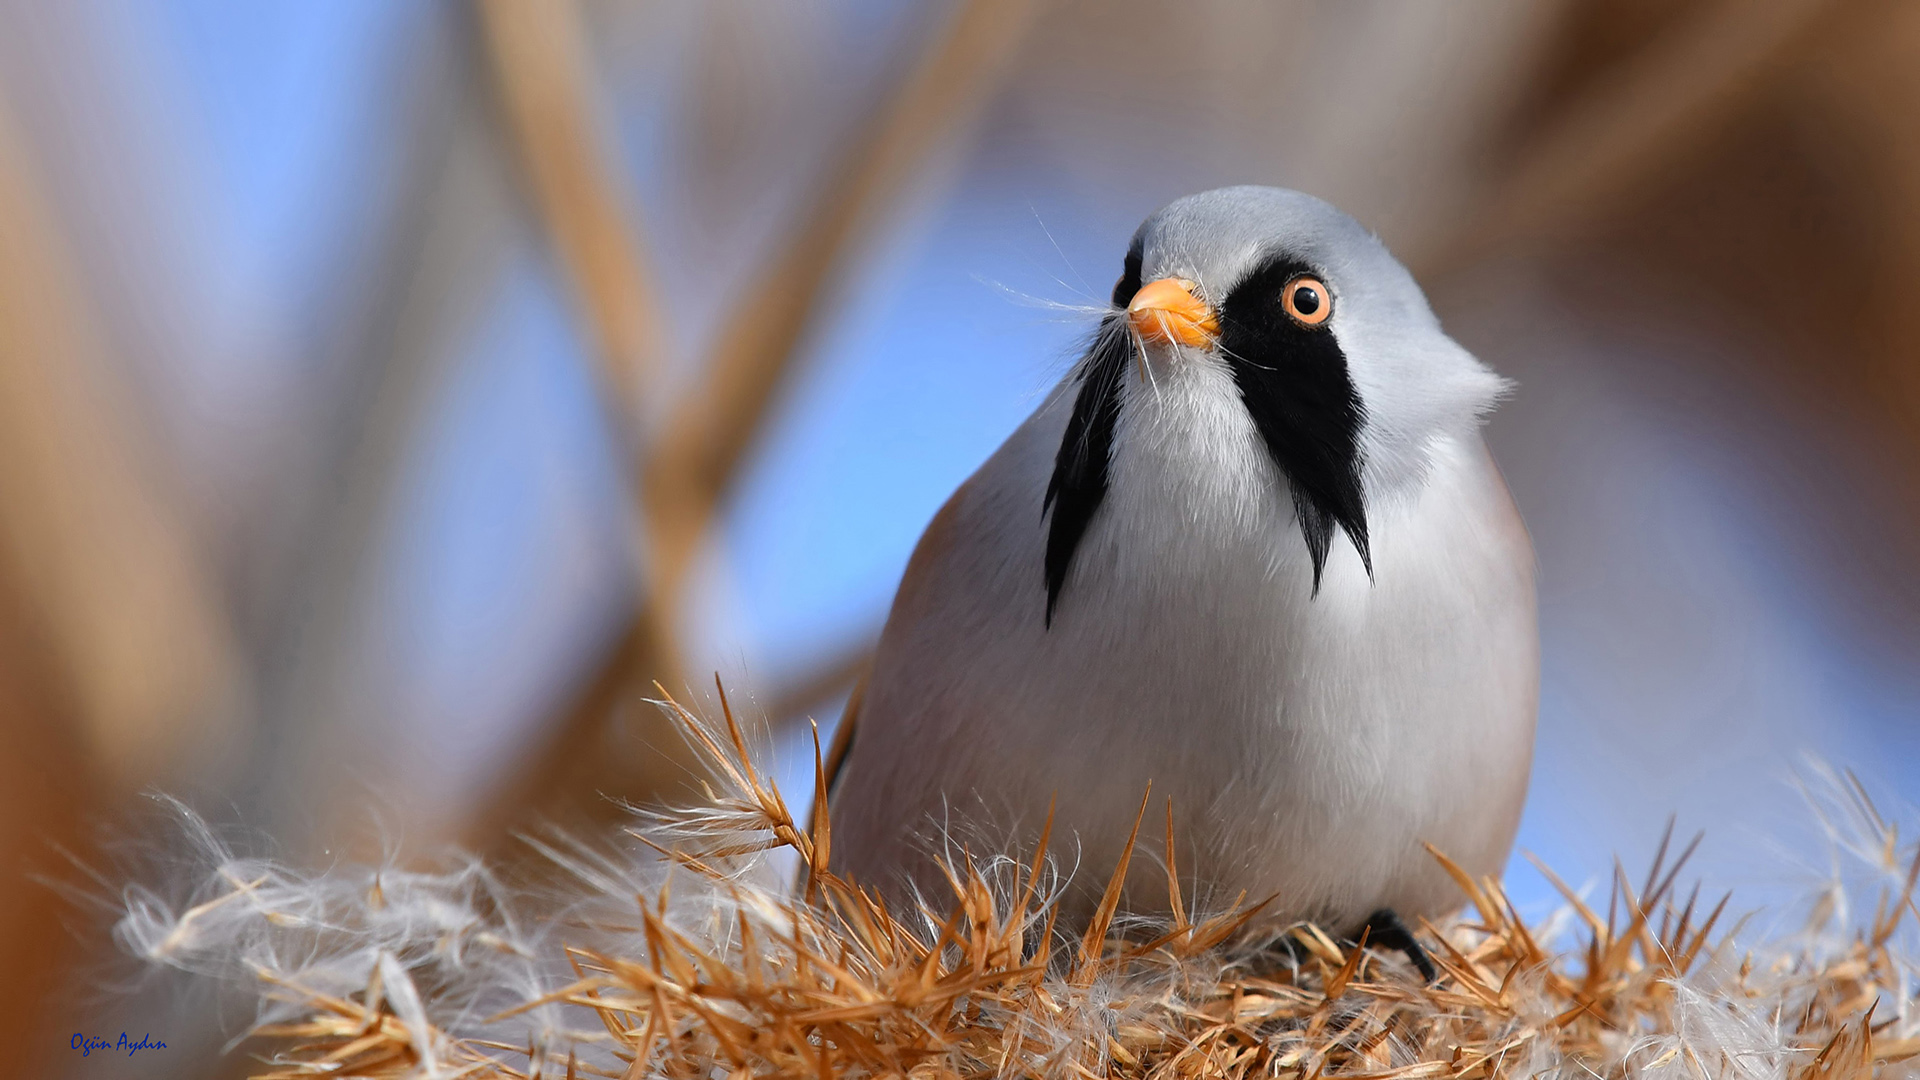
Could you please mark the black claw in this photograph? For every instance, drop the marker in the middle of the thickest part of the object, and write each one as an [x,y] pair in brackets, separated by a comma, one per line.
[1385,929]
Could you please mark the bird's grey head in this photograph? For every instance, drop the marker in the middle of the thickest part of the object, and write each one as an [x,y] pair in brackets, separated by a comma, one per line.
[1331,348]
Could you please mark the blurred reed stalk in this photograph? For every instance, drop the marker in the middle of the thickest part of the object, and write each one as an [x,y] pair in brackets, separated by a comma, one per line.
[683,472]
[114,648]
[1647,113]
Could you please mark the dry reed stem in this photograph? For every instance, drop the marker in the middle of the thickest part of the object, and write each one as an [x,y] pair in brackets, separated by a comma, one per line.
[708,434]
[542,75]
[826,981]
[1658,109]
[538,58]
[688,468]
[128,619]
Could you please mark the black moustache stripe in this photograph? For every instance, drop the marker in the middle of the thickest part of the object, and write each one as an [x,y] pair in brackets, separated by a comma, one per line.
[1079,480]
[1294,383]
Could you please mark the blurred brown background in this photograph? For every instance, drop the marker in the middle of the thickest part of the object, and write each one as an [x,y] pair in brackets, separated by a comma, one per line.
[390,393]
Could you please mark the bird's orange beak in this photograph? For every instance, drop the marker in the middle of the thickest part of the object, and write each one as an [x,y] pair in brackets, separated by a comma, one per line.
[1170,311]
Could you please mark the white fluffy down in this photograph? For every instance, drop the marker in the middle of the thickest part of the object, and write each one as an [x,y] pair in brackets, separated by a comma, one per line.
[449,950]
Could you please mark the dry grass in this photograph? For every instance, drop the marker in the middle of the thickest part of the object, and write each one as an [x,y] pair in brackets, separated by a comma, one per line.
[697,963]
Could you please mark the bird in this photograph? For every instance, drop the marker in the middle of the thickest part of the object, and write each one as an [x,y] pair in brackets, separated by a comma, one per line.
[1252,554]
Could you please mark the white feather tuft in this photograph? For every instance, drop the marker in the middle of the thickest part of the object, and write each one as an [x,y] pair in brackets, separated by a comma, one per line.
[664,948]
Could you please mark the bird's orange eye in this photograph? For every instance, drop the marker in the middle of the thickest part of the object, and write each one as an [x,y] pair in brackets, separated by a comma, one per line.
[1306,299]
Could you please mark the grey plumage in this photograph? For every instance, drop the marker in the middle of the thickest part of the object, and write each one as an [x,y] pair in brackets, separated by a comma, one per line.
[1310,736]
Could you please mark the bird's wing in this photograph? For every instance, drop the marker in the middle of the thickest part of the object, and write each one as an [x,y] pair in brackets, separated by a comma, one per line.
[843,735]
[913,601]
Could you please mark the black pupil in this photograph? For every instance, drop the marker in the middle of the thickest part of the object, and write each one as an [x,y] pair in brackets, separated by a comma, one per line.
[1306,299]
